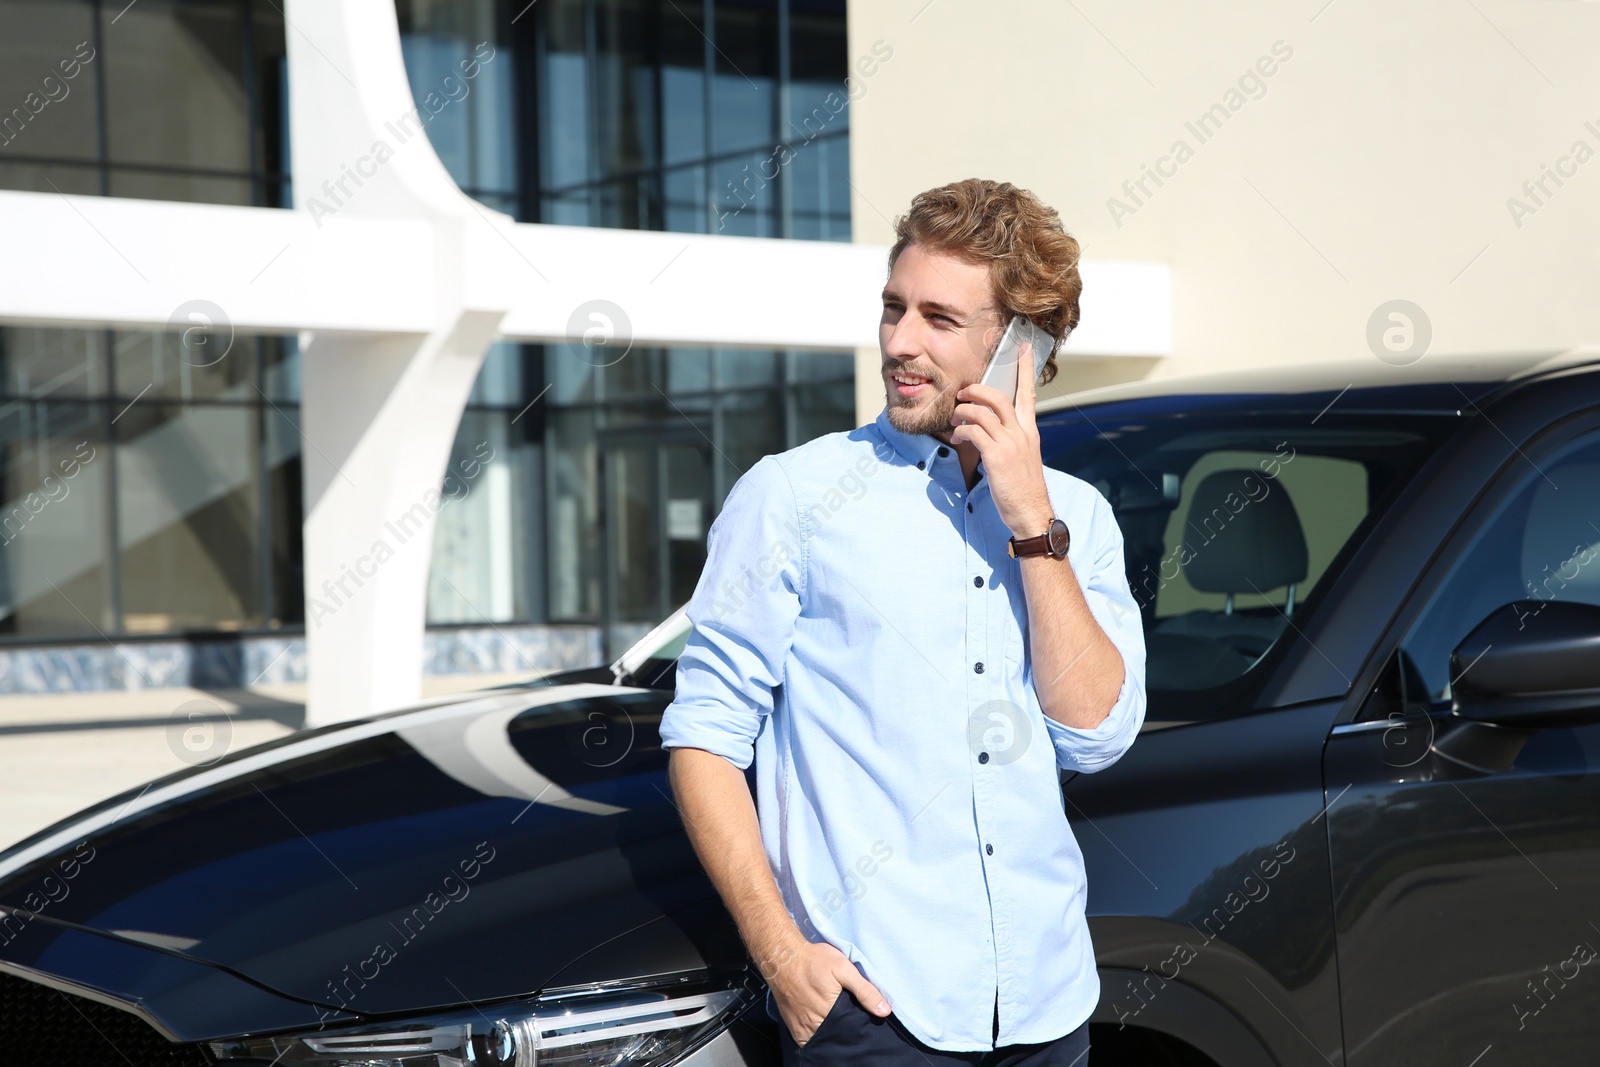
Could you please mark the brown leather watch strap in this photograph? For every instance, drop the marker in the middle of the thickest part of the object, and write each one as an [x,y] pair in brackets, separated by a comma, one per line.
[1040,545]
[1029,546]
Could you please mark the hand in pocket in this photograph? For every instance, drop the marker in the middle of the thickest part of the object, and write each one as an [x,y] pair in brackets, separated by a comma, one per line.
[840,1003]
[803,988]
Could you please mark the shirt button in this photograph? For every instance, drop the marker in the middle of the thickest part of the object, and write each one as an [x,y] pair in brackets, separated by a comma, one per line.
[983,757]
[978,581]
[943,451]
[978,667]
[989,849]
[922,465]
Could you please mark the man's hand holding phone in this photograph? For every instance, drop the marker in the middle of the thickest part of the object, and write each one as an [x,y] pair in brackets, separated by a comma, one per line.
[996,415]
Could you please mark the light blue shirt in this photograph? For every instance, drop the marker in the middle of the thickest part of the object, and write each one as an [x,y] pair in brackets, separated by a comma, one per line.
[861,632]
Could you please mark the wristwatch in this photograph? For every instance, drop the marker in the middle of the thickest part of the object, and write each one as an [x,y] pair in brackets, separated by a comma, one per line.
[1053,542]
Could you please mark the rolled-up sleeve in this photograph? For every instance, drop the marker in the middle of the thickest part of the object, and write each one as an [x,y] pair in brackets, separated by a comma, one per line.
[743,614]
[1111,602]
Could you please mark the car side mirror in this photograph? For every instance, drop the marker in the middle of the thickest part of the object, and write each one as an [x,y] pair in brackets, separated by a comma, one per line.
[1531,665]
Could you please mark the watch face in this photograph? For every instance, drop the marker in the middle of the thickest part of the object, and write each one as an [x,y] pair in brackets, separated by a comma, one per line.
[1059,538]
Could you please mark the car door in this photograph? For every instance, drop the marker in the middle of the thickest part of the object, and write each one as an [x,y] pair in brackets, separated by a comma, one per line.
[1465,856]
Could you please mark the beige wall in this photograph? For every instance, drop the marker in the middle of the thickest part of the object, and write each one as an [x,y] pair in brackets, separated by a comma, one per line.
[1374,163]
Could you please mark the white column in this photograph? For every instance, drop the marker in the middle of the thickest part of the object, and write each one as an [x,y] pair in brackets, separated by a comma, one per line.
[379,411]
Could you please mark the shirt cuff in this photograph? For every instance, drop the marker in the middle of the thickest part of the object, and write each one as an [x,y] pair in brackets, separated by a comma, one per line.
[710,727]
[1093,750]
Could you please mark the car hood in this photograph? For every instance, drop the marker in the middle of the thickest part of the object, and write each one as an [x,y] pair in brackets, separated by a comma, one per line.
[481,849]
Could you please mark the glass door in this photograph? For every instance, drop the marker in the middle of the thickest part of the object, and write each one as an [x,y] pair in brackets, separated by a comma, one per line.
[656,509]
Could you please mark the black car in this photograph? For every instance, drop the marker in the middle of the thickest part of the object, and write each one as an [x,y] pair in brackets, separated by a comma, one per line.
[1361,824]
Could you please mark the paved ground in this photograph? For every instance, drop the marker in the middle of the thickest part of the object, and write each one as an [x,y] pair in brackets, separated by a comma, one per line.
[63,752]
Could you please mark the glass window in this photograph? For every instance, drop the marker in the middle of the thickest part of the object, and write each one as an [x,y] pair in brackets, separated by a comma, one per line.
[818,65]
[142,184]
[463,80]
[570,373]
[625,99]
[822,366]
[476,573]
[750,424]
[564,104]
[163,99]
[47,81]
[655,114]
[688,511]
[285,517]
[52,363]
[1327,494]
[144,494]
[188,511]
[500,379]
[636,473]
[50,178]
[54,575]
[1231,526]
[824,408]
[688,370]
[683,190]
[819,187]
[1541,544]
[193,364]
[740,367]
[574,516]
[280,371]
[634,375]
[177,95]
[745,74]
[683,85]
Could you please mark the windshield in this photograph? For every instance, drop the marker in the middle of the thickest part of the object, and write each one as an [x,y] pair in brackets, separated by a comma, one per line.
[1232,523]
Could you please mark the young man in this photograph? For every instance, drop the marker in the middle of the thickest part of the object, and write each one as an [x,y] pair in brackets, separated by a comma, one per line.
[909,688]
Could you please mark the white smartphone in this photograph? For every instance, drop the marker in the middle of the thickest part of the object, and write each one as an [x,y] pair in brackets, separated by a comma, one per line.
[1002,370]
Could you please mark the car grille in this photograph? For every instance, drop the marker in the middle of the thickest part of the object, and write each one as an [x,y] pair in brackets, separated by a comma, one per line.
[44,1027]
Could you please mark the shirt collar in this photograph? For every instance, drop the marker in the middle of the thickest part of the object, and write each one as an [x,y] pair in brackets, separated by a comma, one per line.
[915,448]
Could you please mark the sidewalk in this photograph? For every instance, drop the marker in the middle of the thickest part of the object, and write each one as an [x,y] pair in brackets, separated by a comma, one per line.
[64,751]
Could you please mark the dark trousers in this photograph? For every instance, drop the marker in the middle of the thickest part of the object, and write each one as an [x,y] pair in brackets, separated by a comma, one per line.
[852,1035]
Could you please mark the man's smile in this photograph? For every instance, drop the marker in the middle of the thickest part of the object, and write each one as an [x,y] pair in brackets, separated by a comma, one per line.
[908,384]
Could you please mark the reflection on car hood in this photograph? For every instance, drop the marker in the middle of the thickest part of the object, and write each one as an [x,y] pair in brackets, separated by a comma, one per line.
[486,848]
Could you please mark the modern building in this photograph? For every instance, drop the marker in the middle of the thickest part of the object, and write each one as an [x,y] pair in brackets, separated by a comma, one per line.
[289,290]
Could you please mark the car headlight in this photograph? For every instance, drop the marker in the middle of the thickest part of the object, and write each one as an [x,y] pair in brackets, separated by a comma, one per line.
[625,1024]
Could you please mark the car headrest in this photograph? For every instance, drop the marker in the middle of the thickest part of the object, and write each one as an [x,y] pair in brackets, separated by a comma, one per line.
[1561,542]
[1243,534]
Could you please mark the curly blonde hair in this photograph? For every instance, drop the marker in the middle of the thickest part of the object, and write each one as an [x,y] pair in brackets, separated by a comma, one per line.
[1033,261]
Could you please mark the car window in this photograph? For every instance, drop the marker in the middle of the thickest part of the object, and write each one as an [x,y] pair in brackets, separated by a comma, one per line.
[1328,496]
[1542,543]
[1232,525]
